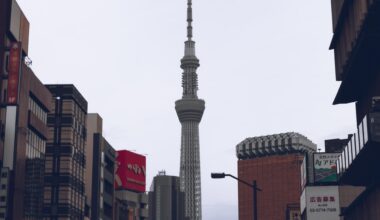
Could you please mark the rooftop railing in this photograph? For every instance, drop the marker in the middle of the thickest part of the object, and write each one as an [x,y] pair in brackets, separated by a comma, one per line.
[367,132]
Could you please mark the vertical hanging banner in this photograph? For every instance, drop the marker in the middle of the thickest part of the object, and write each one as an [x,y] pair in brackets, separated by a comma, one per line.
[14,73]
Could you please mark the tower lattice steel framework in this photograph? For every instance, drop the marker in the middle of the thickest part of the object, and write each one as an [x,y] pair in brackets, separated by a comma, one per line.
[190,110]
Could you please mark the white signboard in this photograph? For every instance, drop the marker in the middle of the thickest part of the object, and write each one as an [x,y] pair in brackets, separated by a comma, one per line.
[322,202]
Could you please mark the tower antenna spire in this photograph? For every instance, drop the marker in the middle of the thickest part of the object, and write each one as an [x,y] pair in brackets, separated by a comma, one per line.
[189,20]
[190,111]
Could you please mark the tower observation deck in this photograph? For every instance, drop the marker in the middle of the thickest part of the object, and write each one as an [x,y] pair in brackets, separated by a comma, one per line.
[190,110]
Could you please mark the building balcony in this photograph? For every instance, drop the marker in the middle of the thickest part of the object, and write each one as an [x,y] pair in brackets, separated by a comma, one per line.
[356,44]
[358,164]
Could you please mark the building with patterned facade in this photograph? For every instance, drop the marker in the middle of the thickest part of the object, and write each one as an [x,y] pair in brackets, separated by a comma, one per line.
[24,104]
[64,192]
[274,161]
[356,45]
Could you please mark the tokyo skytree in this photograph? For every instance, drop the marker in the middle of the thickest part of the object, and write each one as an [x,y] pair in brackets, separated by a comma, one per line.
[190,110]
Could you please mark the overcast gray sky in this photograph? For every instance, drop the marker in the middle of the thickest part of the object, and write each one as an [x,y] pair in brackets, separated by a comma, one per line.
[265,68]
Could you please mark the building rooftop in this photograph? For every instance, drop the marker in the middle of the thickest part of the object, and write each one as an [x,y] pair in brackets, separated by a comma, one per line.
[275,144]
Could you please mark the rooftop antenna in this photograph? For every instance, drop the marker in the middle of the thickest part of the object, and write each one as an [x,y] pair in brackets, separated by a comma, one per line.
[189,20]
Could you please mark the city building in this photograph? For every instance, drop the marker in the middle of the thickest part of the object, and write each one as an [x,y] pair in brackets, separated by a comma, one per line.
[324,198]
[275,163]
[100,169]
[356,45]
[190,111]
[130,181]
[121,211]
[64,193]
[25,102]
[336,145]
[166,201]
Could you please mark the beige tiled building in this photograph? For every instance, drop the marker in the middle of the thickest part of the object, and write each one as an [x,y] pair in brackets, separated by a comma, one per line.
[64,194]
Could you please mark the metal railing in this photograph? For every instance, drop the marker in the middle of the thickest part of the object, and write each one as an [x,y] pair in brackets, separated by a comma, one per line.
[365,133]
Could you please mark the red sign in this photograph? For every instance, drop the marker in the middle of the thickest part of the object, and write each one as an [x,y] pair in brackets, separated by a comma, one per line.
[130,171]
[14,73]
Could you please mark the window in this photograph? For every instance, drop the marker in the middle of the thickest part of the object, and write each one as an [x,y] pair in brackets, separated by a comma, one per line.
[37,110]
[35,146]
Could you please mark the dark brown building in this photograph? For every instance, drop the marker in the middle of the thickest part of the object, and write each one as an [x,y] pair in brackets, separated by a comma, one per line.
[356,45]
[274,161]
[64,193]
[26,132]
[25,102]
[100,171]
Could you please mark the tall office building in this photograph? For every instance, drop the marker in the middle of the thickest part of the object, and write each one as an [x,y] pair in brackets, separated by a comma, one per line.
[356,45]
[100,169]
[64,193]
[274,161]
[166,200]
[190,110]
[25,103]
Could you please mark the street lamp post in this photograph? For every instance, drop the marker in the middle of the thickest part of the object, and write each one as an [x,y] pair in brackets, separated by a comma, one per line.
[253,186]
